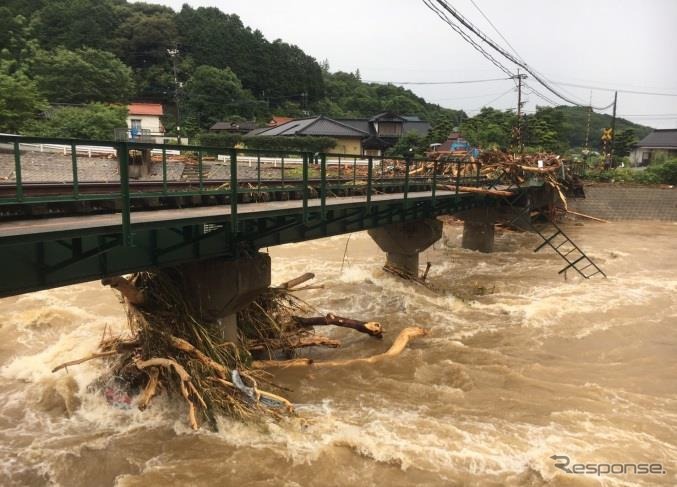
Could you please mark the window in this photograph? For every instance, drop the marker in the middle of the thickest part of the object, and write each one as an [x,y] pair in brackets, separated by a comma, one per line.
[646,157]
[390,129]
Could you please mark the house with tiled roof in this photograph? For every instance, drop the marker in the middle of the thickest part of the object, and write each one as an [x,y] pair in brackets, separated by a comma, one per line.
[361,136]
[233,127]
[660,141]
[278,120]
[385,129]
[348,139]
[145,118]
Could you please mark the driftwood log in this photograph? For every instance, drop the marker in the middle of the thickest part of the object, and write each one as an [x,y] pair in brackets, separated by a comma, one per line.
[293,343]
[583,215]
[91,356]
[151,388]
[297,281]
[395,349]
[198,369]
[126,288]
[372,328]
[473,189]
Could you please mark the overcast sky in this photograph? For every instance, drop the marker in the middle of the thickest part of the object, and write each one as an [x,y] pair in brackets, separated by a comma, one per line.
[622,44]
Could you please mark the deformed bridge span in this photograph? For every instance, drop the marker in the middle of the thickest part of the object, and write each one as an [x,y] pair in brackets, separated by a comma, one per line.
[136,224]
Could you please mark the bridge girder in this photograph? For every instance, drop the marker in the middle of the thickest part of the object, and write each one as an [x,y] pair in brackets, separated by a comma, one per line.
[45,261]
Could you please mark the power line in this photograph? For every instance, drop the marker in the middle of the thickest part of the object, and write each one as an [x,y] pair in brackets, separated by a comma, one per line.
[468,25]
[511,90]
[545,98]
[467,97]
[648,115]
[459,82]
[466,37]
[599,88]
[484,105]
[495,28]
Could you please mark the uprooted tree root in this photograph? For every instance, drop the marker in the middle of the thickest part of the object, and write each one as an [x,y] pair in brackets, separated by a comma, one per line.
[172,350]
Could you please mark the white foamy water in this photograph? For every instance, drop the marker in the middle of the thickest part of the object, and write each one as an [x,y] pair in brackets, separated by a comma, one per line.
[520,365]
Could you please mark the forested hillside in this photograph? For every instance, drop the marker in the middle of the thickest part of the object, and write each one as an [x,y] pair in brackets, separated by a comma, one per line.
[110,51]
[63,63]
[551,128]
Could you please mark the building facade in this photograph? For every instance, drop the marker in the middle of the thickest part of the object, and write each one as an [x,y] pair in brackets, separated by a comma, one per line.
[354,136]
[145,118]
[660,142]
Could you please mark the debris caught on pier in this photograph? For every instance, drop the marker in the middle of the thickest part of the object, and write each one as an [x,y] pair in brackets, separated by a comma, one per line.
[170,350]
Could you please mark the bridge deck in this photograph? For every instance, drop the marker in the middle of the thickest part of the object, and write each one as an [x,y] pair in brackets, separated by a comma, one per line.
[112,220]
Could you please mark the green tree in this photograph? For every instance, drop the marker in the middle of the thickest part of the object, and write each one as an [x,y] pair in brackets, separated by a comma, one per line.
[75,24]
[624,141]
[17,46]
[409,144]
[271,70]
[93,121]
[290,109]
[20,102]
[403,105]
[143,37]
[489,128]
[538,134]
[213,94]
[82,76]
[442,124]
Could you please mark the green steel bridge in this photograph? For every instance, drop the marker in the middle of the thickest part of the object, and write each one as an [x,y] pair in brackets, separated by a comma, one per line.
[54,233]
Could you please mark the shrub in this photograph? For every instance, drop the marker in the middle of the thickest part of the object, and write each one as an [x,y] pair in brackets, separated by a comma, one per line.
[665,173]
[94,121]
[219,140]
[295,144]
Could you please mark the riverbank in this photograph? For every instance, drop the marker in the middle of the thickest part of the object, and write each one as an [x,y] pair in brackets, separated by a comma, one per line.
[620,202]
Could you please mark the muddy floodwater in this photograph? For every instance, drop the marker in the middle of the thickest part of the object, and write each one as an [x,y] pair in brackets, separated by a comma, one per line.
[520,365]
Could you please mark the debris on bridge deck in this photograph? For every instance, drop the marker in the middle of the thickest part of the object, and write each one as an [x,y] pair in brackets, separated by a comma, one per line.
[171,350]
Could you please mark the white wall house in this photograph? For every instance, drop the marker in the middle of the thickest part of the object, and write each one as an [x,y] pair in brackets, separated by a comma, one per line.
[145,117]
[660,141]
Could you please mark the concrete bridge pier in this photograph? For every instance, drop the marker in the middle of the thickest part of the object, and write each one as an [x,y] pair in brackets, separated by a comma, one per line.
[402,242]
[478,236]
[478,229]
[220,288]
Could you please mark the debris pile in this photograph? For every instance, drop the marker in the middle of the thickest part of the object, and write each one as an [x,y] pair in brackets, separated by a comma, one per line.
[170,350]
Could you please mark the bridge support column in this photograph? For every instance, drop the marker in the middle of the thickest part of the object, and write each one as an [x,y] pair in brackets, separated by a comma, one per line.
[478,228]
[402,242]
[220,288]
[478,236]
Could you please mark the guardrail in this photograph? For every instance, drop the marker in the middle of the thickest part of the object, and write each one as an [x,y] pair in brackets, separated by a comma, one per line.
[382,173]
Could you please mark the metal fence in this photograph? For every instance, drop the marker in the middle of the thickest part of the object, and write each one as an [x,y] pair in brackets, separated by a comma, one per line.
[301,175]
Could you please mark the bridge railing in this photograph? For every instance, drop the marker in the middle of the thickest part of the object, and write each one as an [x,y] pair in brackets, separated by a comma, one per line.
[125,174]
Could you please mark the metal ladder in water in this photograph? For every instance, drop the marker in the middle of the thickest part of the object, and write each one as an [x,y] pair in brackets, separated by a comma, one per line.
[554,237]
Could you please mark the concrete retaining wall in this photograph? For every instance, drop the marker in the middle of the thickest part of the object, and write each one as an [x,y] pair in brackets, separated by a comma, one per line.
[616,202]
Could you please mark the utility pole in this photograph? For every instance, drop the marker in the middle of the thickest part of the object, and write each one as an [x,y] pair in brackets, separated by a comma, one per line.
[173,53]
[519,78]
[613,131]
[587,128]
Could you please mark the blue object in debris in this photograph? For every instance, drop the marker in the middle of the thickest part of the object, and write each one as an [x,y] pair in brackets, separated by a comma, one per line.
[251,394]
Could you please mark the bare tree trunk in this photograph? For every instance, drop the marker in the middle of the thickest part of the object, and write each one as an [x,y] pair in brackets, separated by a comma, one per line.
[372,328]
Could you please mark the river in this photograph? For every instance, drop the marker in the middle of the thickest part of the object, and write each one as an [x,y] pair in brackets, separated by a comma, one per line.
[520,365]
